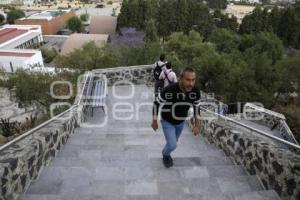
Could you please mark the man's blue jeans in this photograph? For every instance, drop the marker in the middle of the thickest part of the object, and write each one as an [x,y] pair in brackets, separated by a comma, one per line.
[172,133]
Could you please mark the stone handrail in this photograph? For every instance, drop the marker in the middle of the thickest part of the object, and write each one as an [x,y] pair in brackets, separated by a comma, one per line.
[141,74]
[292,145]
[277,168]
[271,119]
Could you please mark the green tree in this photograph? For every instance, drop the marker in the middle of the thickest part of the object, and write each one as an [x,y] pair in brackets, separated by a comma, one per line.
[264,76]
[274,19]
[14,14]
[90,56]
[289,75]
[152,9]
[141,14]
[165,19]
[224,21]
[75,24]
[84,17]
[217,4]
[32,89]
[86,58]
[263,42]
[225,40]
[48,54]
[240,85]
[151,31]
[181,20]
[289,28]
[200,18]
[253,23]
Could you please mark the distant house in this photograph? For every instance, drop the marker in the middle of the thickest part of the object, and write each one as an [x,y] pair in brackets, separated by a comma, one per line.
[51,21]
[103,25]
[20,36]
[77,40]
[16,43]
[17,2]
[239,11]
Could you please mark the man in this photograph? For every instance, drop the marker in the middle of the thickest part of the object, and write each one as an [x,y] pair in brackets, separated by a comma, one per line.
[177,99]
[168,75]
[159,67]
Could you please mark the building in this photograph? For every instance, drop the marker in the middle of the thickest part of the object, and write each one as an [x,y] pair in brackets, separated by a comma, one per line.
[239,11]
[51,21]
[103,25]
[11,60]
[16,43]
[17,2]
[20,37]
[76,41]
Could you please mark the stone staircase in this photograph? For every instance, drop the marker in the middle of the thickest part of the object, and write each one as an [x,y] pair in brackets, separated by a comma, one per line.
[122,160]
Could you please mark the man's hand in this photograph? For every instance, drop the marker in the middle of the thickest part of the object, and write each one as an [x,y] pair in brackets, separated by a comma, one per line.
[197,126]
[154,125]
[196,130]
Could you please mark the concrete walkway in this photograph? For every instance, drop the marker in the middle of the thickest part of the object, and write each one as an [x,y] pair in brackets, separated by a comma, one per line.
[122,161]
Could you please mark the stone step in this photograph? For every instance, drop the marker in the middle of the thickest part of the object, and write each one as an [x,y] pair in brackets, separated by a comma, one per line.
[104,152]
[39,197]
[223,185]
[253,195]
[239,186]
[257,195]
[79,160]
[59,174]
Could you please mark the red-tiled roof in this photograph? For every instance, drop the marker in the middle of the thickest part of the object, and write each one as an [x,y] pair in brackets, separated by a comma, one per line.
[10,33]
[15,54]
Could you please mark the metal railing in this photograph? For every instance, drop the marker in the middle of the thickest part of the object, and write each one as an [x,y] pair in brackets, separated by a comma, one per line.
[286,127]
[253,129]
[26,134]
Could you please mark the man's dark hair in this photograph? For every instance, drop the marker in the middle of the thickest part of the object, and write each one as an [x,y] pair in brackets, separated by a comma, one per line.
[168,65]
[162,57]
[185,70]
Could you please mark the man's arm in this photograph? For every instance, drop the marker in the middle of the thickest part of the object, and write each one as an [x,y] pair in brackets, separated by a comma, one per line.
[197,122]
[155,110]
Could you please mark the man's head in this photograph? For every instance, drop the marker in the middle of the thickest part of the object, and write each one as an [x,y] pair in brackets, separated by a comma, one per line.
[187,79]
[162,57]
[168,65]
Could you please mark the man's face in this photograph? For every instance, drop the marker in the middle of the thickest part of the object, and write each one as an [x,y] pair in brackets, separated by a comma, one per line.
[188,81]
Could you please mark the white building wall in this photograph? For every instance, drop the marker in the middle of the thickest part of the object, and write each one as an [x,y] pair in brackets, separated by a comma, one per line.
[19,2]
[35,60]
[5,2]
[20,62]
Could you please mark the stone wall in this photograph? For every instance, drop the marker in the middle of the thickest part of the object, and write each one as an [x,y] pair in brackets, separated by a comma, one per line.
[278,169]
[134,74]
[270,119]
[23,161]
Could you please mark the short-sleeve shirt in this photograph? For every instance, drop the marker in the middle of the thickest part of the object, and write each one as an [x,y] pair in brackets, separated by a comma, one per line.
[176,103]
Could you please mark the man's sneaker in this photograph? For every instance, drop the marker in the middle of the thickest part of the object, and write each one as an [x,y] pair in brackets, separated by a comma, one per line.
[168,161]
